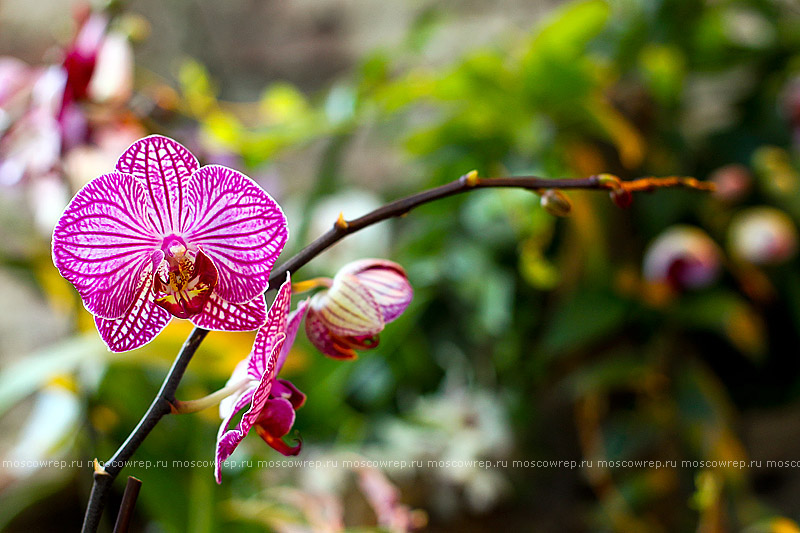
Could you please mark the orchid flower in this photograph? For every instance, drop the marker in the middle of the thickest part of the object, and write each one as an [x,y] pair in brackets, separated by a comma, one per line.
[361,299]
[272,401]
[162,237]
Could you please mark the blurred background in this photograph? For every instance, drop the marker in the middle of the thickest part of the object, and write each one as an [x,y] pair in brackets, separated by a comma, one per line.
[666,332]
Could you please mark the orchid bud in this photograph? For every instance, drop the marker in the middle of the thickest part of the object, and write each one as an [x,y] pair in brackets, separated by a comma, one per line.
[555,203]
[763,236]
[733,182]
[622,198]
[363,297]
[609,180]
[683,257]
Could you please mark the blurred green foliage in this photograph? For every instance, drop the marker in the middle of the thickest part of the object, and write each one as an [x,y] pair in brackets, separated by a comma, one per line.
[551,319]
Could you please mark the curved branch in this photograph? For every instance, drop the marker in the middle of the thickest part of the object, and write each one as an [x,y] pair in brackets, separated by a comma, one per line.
[162,404]
[466,183]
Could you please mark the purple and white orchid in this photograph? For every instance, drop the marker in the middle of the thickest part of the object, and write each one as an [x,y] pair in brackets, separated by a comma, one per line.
[361,299]
[161,237]
[272,401]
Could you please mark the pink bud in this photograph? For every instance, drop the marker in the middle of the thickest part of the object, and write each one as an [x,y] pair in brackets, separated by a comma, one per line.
[733,182]
[622,198]
[684,257]
[363,297]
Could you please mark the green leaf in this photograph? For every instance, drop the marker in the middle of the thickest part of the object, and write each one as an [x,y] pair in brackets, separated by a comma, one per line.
[586,318]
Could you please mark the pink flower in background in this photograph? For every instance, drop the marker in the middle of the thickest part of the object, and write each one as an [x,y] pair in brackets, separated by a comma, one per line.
[80,57]
[42,111]
[683,257]
[163,237]
[272,401]
[363,297]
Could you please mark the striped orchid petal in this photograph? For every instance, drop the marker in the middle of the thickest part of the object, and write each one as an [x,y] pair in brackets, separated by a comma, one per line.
[139,325]
[388,284]
[222,315]
[272,401]
[261,362]
[348,307]
[292,327]
[103,243]
[325,341]
[227,441]
[239,226]
[162,167]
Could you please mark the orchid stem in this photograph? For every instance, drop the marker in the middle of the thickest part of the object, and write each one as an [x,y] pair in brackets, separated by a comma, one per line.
[128,503]
[193,406]
[162,404]
[468,182]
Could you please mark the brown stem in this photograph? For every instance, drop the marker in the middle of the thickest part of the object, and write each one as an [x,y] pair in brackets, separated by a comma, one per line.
[128,503]
[465,183]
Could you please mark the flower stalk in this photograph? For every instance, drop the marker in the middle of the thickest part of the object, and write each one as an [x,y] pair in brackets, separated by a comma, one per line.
[193,406]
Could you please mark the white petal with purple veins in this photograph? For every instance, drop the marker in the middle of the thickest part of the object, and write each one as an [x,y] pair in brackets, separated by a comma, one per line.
[222,315]
[162,167]
[348,307]
[104,241]
[260,363]
[240,227]
[139,325]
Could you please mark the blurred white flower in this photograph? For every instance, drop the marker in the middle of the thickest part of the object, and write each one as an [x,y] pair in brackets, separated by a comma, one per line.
[112,80]
[455,429]
[49,428]
[30,147]
[763,236]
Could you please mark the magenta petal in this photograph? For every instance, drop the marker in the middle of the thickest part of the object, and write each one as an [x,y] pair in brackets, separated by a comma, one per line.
[221,315]
[282,388]
[261,360]
[391,290]
[104,241]
[239,226]
[292,327]
[389,286]
[139,325]
[278,417]
[162,167]
[227,441]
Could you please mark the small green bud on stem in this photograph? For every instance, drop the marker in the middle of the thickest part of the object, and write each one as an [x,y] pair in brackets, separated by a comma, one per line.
[555,203]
